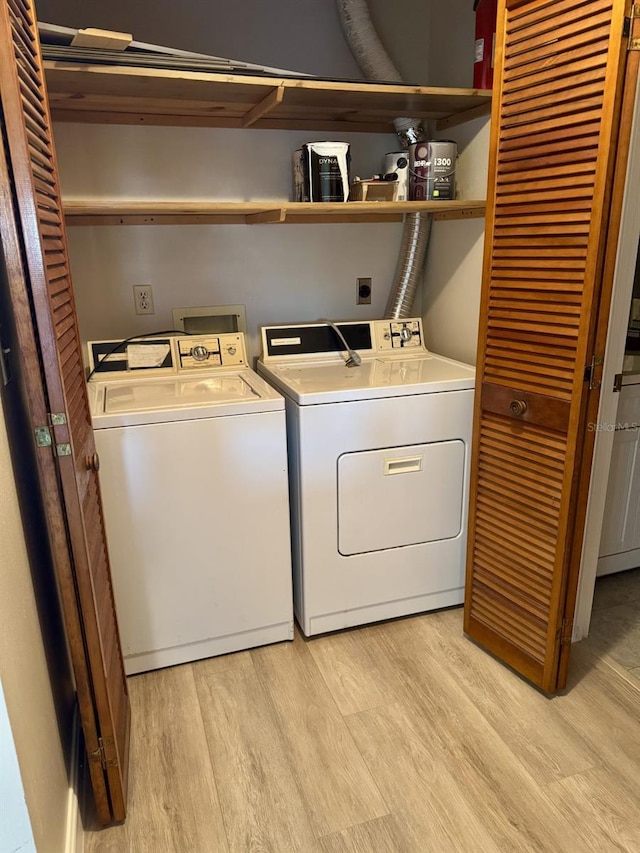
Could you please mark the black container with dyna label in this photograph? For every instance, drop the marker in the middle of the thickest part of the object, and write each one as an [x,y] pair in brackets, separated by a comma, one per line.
[326,170]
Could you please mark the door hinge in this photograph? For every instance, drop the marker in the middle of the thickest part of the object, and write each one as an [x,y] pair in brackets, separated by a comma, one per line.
[103,754]
[566,632]
[591,370]
[57,418]
[43,436]
[617,383]
[45,439]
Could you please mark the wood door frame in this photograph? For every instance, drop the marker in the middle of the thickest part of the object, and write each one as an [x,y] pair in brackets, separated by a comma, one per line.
[627,249]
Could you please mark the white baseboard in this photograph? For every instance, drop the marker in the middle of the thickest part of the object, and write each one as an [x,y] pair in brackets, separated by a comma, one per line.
[619,562]
[74,841]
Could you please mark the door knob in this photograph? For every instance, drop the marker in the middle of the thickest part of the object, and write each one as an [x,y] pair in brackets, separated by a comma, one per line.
[517,407]
[92,462]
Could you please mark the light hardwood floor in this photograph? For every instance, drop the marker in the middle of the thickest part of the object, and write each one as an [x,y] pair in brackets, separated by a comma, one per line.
[402,737]
[615,621]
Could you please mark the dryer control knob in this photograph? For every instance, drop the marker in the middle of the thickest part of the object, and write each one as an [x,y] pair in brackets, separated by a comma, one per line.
[231,350]
[199,352]
[405,334]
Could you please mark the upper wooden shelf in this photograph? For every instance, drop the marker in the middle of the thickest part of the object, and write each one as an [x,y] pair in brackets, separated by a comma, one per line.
[124,95]
[123,212]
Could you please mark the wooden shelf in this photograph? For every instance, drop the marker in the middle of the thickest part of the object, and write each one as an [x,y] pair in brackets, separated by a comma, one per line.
[125,95]
[115,212]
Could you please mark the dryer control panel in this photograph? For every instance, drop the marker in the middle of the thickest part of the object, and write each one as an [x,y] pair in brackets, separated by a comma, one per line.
[398,334]
[324,339]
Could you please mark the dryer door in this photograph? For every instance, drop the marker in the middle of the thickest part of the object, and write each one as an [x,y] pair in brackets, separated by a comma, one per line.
[400,496]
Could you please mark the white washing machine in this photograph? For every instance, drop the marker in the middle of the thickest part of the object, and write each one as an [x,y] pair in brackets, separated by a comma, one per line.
[378,468]
[193,475]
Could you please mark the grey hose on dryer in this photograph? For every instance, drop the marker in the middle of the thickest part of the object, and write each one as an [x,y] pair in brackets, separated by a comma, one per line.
[377,65]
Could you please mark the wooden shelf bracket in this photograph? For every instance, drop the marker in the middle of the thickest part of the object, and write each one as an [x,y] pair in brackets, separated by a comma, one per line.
[273,99]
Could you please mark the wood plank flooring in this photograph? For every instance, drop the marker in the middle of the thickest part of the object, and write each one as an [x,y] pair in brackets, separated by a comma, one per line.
[401,737]
[615,621]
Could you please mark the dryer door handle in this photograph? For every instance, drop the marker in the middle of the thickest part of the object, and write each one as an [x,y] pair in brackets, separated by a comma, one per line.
[404,465]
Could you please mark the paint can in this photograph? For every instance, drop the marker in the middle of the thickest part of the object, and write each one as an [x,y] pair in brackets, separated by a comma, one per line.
[397,162]
[433,170]
[326,170]
[299,186]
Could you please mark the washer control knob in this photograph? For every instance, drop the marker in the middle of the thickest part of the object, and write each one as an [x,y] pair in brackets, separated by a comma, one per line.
[231,350]
[405,334]
[199,353]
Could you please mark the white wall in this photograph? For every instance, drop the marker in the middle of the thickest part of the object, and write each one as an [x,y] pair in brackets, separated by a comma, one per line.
[453,272]
[15,827]
[281,273]
[25,677]
[300,35]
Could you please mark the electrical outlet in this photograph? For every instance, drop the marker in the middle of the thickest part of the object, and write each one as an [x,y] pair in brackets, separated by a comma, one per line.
[143,298]
[363,291]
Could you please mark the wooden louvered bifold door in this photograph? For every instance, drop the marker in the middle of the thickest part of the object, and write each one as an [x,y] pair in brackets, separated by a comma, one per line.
[39,231]
[559,67]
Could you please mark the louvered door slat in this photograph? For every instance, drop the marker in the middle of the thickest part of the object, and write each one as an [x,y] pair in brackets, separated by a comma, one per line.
[23,50]
[104,704]
[23,11]
[539,44]
[553,21]
[531,81]
[515,521]
[565,119]
[497,564]
[33,124]
[525,16]
[25,69]
[36,143]
[562,89]
[578,100]
[512,166]
[29,106]
[546,177]
[553,142]
[521,144]
[519,351]
[518,597]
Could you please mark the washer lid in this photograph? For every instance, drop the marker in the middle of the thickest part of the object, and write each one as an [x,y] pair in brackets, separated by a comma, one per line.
[171,398]
[310,383]
[176,393]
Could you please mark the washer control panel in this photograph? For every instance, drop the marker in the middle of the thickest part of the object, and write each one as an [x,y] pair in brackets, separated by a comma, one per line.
[159,356]
[207,351]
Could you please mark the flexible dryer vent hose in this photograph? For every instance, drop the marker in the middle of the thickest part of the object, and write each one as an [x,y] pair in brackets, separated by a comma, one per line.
[377,65]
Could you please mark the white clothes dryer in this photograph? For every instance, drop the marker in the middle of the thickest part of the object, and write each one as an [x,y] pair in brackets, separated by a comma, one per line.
[378,468]
[193,476]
